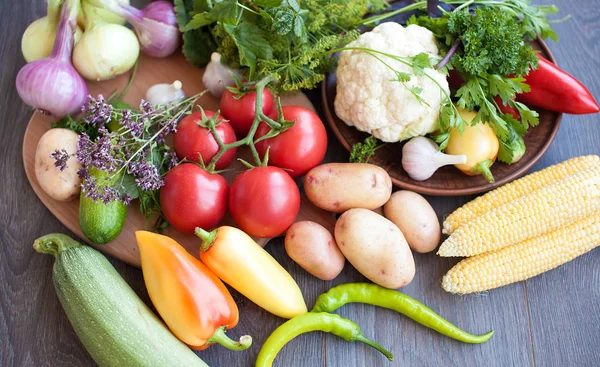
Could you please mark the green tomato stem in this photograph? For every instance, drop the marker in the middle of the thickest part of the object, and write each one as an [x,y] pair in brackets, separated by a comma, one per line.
[249,139]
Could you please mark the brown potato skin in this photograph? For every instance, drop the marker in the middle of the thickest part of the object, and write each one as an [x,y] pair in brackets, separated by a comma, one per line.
[337,187]
[313,247]
[415,217]
[59,185]
[375,247]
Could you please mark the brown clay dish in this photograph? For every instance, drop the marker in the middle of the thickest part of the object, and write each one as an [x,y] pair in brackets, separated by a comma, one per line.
[448,181]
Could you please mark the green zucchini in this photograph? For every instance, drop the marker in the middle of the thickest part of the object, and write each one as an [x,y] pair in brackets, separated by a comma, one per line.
[99,222]
[113,323]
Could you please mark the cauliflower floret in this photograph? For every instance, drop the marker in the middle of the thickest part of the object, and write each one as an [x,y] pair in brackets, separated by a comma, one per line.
[369,98]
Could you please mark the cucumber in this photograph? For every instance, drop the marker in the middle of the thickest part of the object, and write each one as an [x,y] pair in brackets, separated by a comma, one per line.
[114,325]
[101,223]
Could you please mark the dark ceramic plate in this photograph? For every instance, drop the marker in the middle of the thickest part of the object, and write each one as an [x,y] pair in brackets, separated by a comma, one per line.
[448,181]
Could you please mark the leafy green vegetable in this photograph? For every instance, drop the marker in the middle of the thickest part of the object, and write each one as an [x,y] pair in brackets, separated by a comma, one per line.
[512,148]
[492,43]
[198,44]
[493,47]
[251,43]
[290,39]
[363,152]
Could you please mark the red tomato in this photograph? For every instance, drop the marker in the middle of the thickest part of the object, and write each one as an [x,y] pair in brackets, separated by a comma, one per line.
[241,112]
[301,147]
[192,197]
[264,201]
[192,140]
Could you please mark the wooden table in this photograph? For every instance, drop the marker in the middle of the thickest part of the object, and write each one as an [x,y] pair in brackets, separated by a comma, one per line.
[551,320]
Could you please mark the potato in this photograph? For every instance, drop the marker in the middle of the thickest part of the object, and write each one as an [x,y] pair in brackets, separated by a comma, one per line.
[375,247]
[60,185]
[337,187]
[415,218]
[312,247]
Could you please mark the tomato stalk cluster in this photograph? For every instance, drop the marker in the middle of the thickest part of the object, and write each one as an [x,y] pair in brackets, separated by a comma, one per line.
[277,126]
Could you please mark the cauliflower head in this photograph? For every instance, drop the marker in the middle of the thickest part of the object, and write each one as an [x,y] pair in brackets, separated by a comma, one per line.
[369,98]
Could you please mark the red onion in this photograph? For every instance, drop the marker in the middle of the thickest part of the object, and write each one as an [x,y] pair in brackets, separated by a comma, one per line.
[52,85]
[155,26]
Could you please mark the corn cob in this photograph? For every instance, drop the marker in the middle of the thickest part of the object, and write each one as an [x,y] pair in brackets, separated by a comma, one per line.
[525,259]
[541,211]
[515,190]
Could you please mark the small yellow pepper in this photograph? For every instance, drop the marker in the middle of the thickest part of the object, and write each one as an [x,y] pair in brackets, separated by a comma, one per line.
[243,264]
[479,143]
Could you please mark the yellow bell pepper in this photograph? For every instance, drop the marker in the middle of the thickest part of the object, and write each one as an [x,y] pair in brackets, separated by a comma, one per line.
[243,264]
[479,143]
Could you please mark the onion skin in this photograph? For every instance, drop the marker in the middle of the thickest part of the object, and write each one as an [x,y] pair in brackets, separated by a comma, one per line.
[52,86]
[105,51]
[157,39]
[161,11]
[155,26]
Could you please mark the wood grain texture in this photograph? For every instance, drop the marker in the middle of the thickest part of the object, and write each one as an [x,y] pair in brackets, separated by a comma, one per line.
[551,320]
[150,72]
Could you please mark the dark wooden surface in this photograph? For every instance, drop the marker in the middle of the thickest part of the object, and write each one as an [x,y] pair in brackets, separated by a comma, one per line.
[551,320]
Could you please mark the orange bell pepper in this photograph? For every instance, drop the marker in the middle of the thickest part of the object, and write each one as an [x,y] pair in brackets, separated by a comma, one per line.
[243,264]
[190,298]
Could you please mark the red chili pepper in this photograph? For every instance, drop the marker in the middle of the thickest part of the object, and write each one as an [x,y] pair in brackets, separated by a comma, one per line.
[507,109]
[555,90]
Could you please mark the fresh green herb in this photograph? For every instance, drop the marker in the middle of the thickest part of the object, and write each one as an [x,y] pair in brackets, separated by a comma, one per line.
[198,44]
[363,152]
[285,38]
[492,43]
[492,47]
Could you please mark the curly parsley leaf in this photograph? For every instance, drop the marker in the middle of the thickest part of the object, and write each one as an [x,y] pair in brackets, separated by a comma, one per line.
[492,42]
[364,151]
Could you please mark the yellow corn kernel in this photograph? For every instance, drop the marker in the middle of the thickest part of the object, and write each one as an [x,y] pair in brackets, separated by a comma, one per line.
[543,210]
[525,259]
[515,190]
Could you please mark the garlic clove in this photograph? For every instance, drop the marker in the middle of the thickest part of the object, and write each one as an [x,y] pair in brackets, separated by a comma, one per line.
[421,158]
[164,94]
[217,75]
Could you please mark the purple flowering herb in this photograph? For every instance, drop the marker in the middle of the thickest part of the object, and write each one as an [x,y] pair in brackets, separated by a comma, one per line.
[90,188]
[126,199]
[108,195]
[101,156]
[97,111]
[61,157]
[147,108]
[135,127]
[172,159]
[146,176]
[83,174]
[125,117]
[85,147]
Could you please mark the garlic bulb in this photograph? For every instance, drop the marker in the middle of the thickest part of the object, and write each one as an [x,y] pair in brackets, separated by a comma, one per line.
[218,76]
[421,158]
[163,94]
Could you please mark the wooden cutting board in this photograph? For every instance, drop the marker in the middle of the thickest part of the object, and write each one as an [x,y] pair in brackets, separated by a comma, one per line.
[150,71]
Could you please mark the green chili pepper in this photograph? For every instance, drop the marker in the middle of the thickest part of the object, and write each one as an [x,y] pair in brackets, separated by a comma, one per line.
[373,294]
[313,321]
